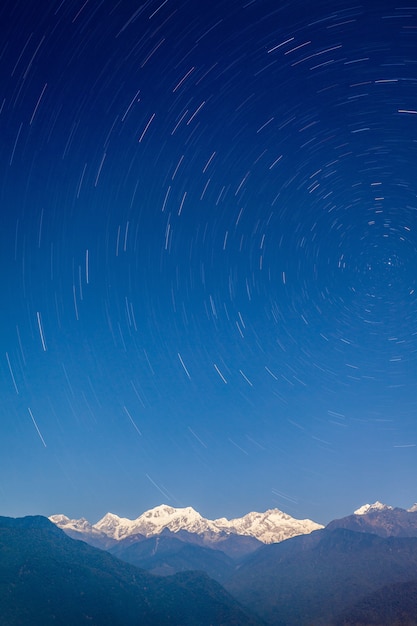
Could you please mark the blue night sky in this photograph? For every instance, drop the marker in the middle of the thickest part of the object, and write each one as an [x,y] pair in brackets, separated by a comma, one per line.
[208,256]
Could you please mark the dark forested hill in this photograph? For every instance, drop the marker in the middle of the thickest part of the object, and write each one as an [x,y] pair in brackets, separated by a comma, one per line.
[392,605]
[313,579]
[48,578]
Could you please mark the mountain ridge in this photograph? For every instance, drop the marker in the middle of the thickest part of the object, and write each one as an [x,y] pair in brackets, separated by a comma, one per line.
[380,519]
[269,527]
[317,578]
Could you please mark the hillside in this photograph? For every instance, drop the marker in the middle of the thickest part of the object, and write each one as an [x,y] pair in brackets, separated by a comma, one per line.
[48,578]
[314,578]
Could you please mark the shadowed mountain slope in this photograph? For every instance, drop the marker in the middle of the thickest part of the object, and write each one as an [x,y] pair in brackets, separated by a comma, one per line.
[166,554]
[314,578]
[392,605]
[48,578]
[387,522]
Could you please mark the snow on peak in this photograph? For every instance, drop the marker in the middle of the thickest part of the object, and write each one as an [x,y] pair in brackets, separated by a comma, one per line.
[269,527]
[59,519]
[154,521]
[413,509]
[376,506]
[64,522]
[166,513]
[114,526]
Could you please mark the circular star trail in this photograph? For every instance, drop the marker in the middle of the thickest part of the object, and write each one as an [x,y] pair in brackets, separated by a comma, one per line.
[208,256]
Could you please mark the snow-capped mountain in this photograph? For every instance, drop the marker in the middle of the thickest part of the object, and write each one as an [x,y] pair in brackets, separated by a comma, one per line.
[269,527]
[78,525]
[82,529]
[380,519]
[154,521]
[412,509]
[369,508]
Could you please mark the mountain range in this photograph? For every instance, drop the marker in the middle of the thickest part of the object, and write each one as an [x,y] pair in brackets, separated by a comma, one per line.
[358,570]
[268,527]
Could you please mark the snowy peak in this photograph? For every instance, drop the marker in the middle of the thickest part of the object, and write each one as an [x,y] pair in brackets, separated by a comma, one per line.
[154,521]
[164,514]
[78,525]
[376,506]
[164,511]
[380,519]
[114,526]
[412,509]
[60,520]
[82,529]
[269,527]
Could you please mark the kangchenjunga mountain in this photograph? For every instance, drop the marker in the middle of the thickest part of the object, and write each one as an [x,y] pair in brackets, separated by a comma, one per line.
[48,578]
[167,540]
[268,527]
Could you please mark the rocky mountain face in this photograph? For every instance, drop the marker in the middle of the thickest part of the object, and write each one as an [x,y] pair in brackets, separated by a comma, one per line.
[380,519]
[372,508]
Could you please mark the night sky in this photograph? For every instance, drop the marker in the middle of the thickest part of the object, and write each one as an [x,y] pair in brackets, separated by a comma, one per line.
[208,256]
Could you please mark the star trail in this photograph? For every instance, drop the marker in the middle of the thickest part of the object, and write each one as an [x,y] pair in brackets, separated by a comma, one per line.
[208,256]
